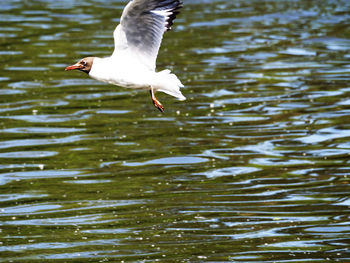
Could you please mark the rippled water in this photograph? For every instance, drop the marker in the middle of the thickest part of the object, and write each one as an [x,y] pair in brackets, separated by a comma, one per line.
[253,167]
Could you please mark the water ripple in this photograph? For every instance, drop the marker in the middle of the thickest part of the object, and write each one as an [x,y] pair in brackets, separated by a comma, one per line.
[252,167]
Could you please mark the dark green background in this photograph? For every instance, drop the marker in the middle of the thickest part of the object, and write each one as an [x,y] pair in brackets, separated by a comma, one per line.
[253,167]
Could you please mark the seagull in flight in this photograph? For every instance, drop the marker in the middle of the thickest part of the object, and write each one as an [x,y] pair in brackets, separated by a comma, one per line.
[136,43]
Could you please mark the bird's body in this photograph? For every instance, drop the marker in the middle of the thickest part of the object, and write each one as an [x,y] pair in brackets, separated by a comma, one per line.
[137,40]
[127,75]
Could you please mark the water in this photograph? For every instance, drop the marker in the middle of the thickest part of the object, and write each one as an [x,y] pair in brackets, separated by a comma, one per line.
[253,167]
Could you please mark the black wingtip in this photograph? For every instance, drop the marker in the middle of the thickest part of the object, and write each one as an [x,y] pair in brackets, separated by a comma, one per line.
[175,6]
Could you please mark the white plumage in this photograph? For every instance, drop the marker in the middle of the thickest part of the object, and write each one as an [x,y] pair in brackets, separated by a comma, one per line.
[137,40]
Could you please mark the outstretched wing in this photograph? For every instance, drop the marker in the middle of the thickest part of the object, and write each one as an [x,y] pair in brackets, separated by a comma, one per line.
[142,26]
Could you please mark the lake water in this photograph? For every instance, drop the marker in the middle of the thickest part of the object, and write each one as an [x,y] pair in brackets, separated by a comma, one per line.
[253,167]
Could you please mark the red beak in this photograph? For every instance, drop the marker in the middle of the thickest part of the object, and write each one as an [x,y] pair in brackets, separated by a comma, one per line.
[75,66]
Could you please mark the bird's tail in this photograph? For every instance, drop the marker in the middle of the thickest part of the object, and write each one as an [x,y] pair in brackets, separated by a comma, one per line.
[168,83]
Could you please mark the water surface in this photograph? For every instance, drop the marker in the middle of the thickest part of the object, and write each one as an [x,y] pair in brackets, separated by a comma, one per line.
[253,167]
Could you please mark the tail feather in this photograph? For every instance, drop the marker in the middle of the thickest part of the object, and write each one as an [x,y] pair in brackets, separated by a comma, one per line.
[168,83]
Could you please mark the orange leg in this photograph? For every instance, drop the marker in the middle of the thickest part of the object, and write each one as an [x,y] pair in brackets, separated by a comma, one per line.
[156,102]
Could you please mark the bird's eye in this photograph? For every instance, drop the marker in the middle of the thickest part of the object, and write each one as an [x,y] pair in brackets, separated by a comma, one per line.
[83,63]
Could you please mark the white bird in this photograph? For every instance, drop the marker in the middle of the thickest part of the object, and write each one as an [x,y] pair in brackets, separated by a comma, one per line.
[136,43]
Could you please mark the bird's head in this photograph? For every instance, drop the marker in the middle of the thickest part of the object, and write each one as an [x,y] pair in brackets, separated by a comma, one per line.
[84,65]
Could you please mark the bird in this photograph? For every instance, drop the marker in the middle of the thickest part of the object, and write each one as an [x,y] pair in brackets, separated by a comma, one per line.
[137,40]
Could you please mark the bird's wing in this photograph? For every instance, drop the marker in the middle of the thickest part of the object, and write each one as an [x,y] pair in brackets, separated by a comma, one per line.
[141,28]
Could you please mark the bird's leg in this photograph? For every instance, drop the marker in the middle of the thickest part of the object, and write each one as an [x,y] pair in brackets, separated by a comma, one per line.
[156,102]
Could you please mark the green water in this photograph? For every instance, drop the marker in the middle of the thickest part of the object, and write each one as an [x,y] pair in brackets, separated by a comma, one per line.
[252,167]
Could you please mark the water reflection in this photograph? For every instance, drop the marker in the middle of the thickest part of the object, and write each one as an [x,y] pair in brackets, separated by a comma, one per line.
[253,167]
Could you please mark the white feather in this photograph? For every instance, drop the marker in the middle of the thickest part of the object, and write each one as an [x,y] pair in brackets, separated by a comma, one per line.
[137,40]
